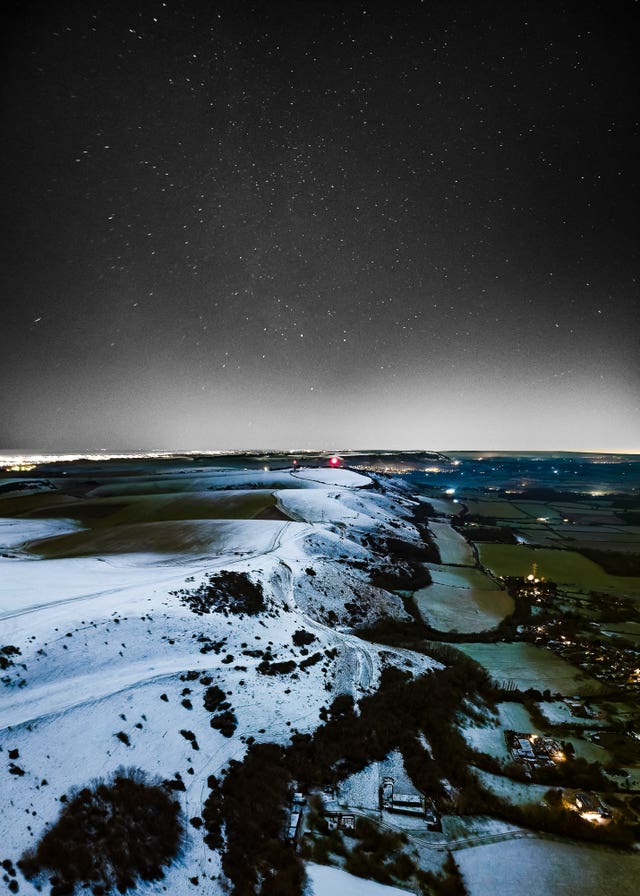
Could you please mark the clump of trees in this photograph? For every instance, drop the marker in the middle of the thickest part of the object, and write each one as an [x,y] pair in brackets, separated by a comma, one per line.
[615,563]
[6,654]
[224,592]
[401,564]
[112,833]
[254,797]
[251,803]
[485,533]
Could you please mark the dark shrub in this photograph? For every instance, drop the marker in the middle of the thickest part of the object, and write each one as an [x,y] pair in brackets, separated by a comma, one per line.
[214,697]
[225,722]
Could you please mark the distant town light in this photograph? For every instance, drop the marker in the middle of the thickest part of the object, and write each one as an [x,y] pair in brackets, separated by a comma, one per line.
[450,491]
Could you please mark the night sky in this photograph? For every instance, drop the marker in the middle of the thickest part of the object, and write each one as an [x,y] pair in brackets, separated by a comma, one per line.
[320,224]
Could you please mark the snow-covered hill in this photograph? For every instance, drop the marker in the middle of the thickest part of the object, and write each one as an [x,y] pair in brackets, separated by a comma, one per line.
[113,663]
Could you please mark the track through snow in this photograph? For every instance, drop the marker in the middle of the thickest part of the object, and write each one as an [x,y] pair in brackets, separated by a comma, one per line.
[61,695]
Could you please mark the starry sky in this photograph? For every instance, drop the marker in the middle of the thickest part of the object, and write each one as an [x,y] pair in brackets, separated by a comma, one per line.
[320,224]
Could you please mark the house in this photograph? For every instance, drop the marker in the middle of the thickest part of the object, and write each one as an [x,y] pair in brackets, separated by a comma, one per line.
[402,803]
[294,818]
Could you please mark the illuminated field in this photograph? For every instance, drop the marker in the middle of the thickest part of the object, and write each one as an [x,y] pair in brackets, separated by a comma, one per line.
[567,568]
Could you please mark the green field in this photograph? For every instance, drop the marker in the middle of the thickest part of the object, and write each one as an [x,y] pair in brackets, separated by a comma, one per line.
[205,537]
[498,509]
[545,511]
[128,510]
[567,568]
[163,538]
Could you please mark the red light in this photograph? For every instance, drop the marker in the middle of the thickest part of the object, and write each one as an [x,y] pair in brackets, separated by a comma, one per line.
[334,461]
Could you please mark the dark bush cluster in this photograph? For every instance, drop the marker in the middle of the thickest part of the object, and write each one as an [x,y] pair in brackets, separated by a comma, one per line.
[7,661]
[284,668]
[302,638]
[367,851]
[212,814]
[401,564]
[224,719]
[487,534]
[310,661]
[224,592]
[6,654]
[113,833]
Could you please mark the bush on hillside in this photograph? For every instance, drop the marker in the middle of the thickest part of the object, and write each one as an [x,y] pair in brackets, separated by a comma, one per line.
[224,592]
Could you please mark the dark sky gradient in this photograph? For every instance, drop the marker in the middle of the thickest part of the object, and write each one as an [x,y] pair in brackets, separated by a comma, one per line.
[316,224]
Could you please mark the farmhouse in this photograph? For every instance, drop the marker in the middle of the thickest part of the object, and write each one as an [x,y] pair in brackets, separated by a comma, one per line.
[294,818]
[589,806]
[533,750]
[402,803]
[341,821]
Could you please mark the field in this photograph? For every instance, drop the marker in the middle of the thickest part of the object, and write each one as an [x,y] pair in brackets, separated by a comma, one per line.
[462,599]
[546,868]
[528,666]
[452,546]
[567,568]
[503,510]
[327,881]
[490,739]
[173,538]
[628,630]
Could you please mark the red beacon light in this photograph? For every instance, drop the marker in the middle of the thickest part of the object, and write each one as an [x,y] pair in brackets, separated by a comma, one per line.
[335,461]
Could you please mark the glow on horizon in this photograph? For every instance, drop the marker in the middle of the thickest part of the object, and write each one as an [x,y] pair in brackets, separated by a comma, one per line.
[32,459]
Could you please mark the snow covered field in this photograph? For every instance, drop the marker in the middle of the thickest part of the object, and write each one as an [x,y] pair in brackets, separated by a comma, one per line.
[528,666]
[462,599]
[547,868]
[326,881]
[453,547]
